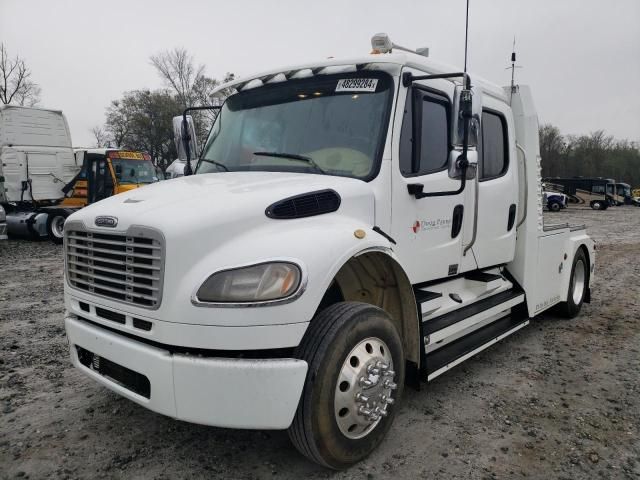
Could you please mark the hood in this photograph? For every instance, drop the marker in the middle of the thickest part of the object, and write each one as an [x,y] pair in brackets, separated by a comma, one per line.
[197,202]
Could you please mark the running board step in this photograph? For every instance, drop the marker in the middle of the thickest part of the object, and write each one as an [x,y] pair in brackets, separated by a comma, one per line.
[427,301]
[458,351]
[425,296]
[443,321]
[480,276]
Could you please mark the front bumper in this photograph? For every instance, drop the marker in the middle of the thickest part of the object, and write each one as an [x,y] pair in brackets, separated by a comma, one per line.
[222,392]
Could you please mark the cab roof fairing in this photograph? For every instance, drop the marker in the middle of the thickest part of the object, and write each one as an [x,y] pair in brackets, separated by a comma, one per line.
[391,63]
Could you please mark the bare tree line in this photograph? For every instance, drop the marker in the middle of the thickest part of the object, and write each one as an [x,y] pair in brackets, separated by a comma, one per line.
[16,85]
[593,155]
[142,119]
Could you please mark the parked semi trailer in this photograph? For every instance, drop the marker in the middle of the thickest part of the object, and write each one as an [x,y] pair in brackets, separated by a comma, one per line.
[43,180]
[352,226]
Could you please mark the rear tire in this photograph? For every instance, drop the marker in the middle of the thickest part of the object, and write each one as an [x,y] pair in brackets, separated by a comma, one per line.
[554,206]
[578,285]
[347,345]
[55,226]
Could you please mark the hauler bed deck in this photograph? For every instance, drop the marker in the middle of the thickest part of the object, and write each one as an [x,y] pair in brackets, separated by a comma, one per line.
[352,225]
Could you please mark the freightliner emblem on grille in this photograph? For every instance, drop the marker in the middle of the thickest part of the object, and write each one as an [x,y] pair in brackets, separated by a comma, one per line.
[105,221]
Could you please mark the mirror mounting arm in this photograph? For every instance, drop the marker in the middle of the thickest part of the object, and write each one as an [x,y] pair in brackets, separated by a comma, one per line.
[408,78]
[417,189]
[186,137]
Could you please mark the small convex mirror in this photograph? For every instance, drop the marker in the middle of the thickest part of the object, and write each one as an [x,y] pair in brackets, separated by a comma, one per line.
[180,134]
[472,168]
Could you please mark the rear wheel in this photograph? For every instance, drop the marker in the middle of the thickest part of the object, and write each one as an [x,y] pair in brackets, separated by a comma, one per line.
[554,206]
[355,378]
[577,286]
[55,226]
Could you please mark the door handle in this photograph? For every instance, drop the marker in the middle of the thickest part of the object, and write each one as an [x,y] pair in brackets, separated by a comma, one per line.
[512,217]
[456,222]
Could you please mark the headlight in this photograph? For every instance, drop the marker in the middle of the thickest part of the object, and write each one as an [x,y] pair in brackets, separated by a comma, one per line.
[256,283]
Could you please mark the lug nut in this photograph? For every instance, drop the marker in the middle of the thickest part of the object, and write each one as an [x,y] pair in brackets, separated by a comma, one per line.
[365,382]
[373,370]
[364,411]
[361,398]
[381,365]
[389,384]
[389,373]
[381,412]
[389,401]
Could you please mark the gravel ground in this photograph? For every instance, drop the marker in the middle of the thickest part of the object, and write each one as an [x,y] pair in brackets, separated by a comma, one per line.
[559,399]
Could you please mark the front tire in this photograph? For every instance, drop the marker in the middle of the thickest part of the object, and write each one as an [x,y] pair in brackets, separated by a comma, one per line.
[578,285]
[55,226]
[353,385]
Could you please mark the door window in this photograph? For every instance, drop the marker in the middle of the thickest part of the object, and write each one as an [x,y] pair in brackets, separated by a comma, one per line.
[492,147]
[424,139]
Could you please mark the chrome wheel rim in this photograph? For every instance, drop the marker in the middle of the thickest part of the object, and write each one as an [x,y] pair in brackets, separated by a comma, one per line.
[597,205]
[364,388]
[579,276]
[57,226]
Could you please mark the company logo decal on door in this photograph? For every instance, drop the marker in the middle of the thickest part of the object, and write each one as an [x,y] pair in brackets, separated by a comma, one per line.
[428,225]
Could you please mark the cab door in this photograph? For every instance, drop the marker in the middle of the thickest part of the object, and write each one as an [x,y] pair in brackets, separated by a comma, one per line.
[99,178]
[429,231]
[498,187]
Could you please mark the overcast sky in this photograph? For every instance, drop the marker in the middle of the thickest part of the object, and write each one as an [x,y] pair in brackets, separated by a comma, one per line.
[581,57]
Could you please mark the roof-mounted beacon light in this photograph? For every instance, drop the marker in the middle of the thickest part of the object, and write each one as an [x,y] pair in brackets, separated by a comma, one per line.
[381,43]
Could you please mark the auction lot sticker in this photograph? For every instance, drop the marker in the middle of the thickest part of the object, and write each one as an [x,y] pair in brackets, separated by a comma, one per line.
[357,85]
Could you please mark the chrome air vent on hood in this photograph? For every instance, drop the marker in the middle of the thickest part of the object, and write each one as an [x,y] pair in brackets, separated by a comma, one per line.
[305,205]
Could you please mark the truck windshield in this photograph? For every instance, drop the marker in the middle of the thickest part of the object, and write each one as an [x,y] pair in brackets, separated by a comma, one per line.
[134,171]
[326,124]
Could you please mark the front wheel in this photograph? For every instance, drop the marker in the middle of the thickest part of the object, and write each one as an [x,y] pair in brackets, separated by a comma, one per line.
[55,226]
[353,385]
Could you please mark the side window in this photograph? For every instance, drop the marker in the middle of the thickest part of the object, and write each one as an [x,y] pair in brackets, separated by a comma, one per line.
[598,189]
[492,147]
[424,139]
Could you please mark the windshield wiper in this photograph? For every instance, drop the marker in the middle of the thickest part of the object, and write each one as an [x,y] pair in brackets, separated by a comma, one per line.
[217,164]
[292,156]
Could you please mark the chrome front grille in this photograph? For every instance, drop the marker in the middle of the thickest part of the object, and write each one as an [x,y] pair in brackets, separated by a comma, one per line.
[126,266]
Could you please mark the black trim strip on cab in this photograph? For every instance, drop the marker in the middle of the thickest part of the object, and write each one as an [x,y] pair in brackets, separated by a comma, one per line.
[272,353]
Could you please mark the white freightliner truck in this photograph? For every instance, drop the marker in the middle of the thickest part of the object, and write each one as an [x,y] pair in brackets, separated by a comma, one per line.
[352,226]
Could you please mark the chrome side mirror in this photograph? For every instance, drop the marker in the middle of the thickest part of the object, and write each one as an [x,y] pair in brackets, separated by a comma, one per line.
[474,109]
[184,136]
